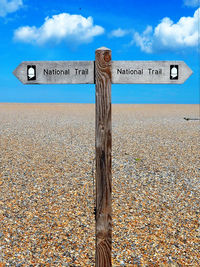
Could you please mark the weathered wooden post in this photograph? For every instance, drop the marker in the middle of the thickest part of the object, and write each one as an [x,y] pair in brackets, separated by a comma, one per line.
[103,142]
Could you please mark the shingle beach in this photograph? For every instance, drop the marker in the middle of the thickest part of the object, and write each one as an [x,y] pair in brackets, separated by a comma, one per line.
[46,185]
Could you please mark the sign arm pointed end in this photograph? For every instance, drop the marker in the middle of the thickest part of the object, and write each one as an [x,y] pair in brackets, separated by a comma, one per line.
[188,72]
[14,72]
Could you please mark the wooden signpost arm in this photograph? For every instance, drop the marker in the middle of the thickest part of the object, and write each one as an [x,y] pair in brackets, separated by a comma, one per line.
[103,144]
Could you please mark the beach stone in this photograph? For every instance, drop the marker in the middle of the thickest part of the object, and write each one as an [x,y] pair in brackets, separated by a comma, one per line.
[47,185]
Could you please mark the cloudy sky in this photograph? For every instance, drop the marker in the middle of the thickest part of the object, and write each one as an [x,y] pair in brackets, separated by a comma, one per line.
[72,30]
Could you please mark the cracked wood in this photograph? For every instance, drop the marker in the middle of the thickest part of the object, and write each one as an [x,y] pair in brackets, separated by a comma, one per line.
[103,145]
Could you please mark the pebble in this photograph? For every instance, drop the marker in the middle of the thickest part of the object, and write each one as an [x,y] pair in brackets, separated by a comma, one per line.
[122,263]
[47,195]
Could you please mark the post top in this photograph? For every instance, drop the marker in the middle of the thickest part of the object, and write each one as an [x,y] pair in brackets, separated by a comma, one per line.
[103,48]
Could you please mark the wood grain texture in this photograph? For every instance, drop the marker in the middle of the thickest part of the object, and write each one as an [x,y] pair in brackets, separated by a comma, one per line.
[103,145]
[148,75]
[75,75]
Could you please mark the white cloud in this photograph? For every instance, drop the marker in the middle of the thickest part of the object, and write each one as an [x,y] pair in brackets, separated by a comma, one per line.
[118,33]
[169,35]
[9,6]
[144,40]
[74,29]
[192,3]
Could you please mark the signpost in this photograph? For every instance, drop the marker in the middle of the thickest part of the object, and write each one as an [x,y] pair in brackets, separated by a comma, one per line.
[103,72]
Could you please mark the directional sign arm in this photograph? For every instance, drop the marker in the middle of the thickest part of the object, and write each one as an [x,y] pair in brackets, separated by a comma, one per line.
[150,72]
[55,72]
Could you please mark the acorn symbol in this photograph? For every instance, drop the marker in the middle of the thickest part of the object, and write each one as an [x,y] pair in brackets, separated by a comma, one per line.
[174,72]
[31,72]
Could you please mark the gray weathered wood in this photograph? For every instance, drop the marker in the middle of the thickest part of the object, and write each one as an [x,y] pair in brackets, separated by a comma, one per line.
[57,72]
[150,72]
[123,72]
[103,158]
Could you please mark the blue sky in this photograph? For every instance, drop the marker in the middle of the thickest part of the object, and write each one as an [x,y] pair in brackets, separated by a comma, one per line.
[73,30]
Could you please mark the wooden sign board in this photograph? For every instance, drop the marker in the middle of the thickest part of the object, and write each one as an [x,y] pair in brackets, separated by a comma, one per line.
[123,72]
[55,72]
[150,72]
